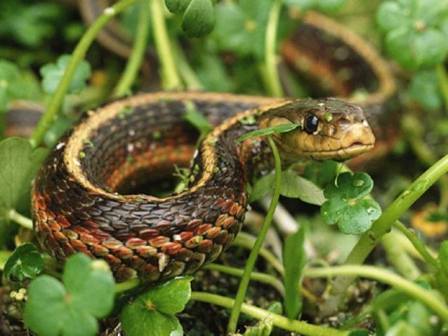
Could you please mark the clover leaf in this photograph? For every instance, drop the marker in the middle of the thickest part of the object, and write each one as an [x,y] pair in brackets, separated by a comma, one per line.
[425,90]
[25,262]
[72,307]
[348,203]
[52,75]
[153,313]
[241,27]
[198,16]
[27,22]
[415,34]
[14,84]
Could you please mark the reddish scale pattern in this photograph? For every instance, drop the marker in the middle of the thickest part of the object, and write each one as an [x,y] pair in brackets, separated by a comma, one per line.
[137,236]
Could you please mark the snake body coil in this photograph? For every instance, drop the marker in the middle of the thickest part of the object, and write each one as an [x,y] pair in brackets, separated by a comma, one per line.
[85,197]
[76,202]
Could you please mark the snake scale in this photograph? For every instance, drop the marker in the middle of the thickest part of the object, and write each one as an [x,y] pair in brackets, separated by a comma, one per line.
[84,197]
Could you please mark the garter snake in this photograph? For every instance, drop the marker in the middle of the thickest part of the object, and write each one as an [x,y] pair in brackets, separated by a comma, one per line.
[82,203]
[83,197]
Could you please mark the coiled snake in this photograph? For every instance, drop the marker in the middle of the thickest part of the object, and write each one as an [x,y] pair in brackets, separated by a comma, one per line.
[83,198]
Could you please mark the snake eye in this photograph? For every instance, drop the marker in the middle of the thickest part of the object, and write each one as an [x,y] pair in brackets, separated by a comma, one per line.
[311,123]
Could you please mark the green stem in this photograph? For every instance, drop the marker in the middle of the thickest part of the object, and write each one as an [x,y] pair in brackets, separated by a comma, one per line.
[23,221]
[442,78]
[383,224]
[186,72]
[4,255]
[138,52]
[256,276]
[279,321]
[247,241]
[425,296]
[127,285]
[271,64]
[397,257]
[417,243]
[250,263]
[170,77]
[77,56]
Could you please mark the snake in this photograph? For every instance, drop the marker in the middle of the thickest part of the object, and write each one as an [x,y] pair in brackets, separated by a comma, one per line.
[92,195]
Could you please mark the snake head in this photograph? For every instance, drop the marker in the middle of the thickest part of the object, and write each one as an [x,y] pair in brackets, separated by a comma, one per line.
[328,129]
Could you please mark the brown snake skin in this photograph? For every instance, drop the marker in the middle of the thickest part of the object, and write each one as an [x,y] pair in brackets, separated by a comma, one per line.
[84,199]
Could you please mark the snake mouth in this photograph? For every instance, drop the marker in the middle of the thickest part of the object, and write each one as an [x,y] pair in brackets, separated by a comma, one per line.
[344,153]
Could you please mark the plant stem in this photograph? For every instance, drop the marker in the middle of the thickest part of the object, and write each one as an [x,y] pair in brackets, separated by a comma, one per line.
[382,225]
[300,327]
[250,263]
[247,241]
[189,77]
[4,255]
[23,221]
[138,52]
[398,258]
[169,75]
[78,55]
[127,285]
[271,67]
[417,243]
[442,78]
[425,296]
[256,276]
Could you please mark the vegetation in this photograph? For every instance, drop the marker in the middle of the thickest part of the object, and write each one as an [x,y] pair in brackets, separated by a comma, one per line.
[339,227]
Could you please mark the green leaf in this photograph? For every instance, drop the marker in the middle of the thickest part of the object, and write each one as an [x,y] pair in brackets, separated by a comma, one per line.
[52,75]
[293,261]
[415,31]
[199,18]
[70,310]
[295,186]
[430,48]
[262,187]
[321,173]
[194,117]
[15,84]
[425,90]
[19,164]
[283,128]
[241,27]
[212,73]
[91,284]
[391,16]
[153,313]
[177,6]
[348,203]
[25,262]
[28,23]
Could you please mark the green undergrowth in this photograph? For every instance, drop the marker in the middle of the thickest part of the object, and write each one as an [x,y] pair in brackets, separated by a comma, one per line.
[312,251]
